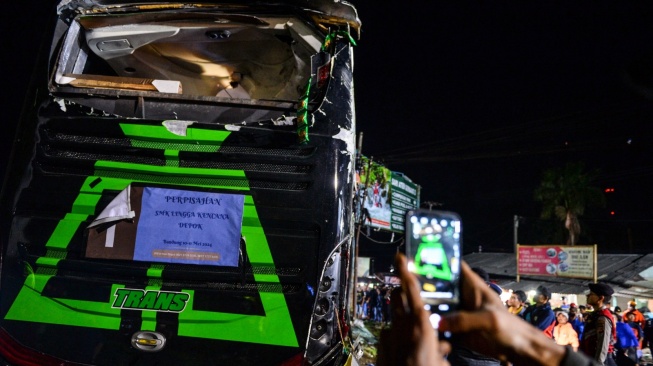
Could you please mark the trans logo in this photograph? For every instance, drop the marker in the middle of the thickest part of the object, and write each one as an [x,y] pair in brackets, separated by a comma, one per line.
[150,300]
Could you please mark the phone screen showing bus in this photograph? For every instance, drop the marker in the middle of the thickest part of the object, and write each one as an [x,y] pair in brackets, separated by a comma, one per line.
[433,249]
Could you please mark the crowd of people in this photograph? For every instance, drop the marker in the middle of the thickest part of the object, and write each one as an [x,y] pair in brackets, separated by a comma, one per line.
[614,337]
[373,303]
[488,332]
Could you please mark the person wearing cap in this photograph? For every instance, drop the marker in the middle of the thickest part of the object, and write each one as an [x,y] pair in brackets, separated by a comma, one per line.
[600,331]
[639,317]
[617,310]
[564,333]
[541,315]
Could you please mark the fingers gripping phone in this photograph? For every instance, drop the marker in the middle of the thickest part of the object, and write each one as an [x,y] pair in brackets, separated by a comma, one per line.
[433,250]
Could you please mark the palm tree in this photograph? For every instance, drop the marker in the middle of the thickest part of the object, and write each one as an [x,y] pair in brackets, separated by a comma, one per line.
[565,193]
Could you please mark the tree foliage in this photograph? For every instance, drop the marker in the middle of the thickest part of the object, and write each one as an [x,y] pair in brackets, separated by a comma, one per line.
[565,193]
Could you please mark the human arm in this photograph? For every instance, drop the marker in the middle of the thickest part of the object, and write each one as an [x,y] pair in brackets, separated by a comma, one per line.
[573,336]
[492,330]
[495,332]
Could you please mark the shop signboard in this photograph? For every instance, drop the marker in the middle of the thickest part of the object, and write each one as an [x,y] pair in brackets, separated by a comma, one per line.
[572,261]
[385,196]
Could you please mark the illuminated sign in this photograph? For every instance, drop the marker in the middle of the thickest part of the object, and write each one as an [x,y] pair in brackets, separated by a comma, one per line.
[573,261]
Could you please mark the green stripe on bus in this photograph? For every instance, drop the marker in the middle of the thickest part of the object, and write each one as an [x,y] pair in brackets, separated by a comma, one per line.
[62,311]
[116,176]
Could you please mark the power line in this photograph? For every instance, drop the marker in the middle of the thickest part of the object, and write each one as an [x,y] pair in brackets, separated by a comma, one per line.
[508,141]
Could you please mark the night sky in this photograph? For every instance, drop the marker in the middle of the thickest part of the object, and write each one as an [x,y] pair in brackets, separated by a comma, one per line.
[472,100]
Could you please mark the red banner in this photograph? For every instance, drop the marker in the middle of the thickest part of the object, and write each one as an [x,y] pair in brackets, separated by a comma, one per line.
[576,261]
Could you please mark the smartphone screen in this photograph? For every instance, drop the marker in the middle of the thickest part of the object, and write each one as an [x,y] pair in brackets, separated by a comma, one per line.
[433,250]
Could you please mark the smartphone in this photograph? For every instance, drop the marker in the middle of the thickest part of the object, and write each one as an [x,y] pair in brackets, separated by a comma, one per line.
[433,250]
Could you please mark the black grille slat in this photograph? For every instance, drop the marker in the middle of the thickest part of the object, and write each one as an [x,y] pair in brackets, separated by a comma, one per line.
[185,276]
[259,167]
[253,288]
[291,152]
[90,156]
[69,148]
[287,186]
[60,137]
[95,140]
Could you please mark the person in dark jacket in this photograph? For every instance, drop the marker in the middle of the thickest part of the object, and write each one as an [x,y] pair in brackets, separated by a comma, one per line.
[540,315]
[371,298]
[648,334]
[600,332]
[483,321]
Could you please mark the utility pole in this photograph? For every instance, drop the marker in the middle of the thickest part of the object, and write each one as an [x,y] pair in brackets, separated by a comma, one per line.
[431,204]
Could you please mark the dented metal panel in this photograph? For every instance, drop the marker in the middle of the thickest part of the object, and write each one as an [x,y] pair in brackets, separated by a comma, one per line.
[161,119]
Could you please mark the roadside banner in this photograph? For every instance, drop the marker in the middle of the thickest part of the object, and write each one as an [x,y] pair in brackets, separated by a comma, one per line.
[385,196]
[573,261]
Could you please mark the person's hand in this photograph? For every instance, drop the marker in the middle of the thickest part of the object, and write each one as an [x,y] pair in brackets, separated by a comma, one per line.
[483,323]
[495,332]
[411,340]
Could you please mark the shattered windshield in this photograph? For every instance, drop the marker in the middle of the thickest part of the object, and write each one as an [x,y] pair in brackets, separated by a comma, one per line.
[193,54]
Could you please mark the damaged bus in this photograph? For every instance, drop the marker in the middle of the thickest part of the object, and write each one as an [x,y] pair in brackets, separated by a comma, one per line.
[180,189]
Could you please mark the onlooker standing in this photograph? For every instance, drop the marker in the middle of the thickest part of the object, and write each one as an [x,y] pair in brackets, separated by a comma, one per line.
[540,315]
[600,332]
[378,307]
[365,304]
[564,306]
[516,303]
[360,297]
[576,319]
[582,309]
[564,333]
[626,345]
[639,317]
[637,330]
[648,334]
[372,299]
[385,303]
